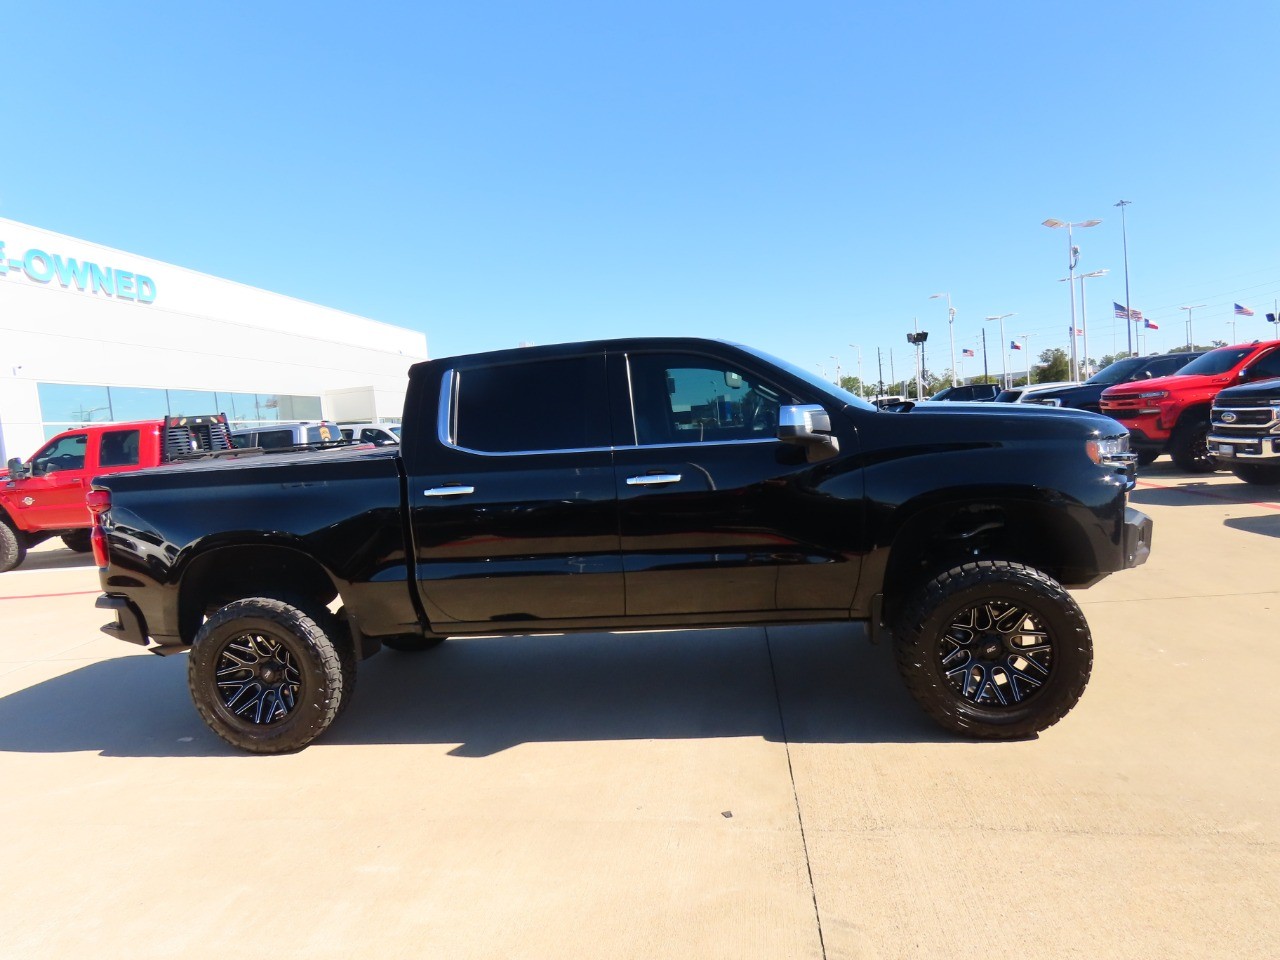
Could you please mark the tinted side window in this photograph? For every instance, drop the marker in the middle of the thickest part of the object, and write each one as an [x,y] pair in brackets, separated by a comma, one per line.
[275,439]
[119,449]
[539,405]
[1266,367]
[692,399]
[1163,368]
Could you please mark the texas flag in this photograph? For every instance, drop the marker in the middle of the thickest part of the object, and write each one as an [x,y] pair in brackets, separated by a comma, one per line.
[1014,345]
[966,352]
[1243,311]
[1149,325]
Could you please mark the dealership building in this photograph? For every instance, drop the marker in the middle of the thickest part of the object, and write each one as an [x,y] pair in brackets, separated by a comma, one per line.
[89,334]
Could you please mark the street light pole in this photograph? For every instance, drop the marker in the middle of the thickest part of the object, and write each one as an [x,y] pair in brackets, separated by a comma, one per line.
[1004,350]
[1084,316]
[1073,257]
[837,360]
[859,349]
[951,325]
[1026,346]
[1191,340]
[1124,234]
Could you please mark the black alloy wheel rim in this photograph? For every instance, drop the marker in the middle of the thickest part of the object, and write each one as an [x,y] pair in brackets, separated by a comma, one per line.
[996,654]
[258,678]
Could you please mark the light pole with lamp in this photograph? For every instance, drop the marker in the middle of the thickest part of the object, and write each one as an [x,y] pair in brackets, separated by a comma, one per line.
[837,360]
[951,325]
[861,391]
[1004,350]
[1084,320]
[1191,340]
[1124,236]
[1073,257]
[1026,347]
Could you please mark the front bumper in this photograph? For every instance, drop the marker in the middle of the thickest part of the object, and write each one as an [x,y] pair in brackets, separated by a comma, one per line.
[1137,537]
[1236,447]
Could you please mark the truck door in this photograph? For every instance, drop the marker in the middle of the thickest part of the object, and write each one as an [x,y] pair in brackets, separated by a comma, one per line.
[52,498]
[716,514]
[512,508]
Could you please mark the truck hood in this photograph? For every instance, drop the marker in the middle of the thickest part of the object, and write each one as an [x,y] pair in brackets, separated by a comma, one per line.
[1176,383]
[1020,419]
[1262,390]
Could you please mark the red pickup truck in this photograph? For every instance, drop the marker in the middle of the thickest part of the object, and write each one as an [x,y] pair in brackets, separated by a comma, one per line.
[1171,414]
[45,496]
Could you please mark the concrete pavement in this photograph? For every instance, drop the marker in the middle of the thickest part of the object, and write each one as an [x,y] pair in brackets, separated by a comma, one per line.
[737,793]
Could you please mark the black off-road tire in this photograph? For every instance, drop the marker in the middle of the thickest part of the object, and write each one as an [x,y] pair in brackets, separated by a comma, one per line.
[77,541]
[963,628]
[412,643]
[1147,457]
[282,676]
[1256,473]
[1189,447]
[13,547]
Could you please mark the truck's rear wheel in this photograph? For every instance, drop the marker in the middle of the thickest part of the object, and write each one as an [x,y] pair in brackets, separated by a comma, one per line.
[1189,447]
[13,547]
[994,650]
[265,676]
[1257,473]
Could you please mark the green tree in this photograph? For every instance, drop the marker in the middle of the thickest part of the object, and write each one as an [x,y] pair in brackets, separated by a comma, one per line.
[1054,365]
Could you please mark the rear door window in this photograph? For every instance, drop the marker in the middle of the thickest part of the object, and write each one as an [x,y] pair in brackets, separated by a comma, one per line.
[119,448]
[547,405]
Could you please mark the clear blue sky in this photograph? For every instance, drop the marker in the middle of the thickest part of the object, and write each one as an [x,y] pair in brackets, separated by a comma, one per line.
[796,176]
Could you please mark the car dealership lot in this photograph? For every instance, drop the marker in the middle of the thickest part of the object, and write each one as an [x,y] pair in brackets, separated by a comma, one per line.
[737,793]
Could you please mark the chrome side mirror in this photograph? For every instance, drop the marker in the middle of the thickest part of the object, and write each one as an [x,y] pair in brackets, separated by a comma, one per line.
[808,426]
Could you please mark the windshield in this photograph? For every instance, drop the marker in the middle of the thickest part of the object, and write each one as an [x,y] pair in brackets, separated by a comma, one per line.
[1117,372]
[395,430]
[812,379]
[1217,361]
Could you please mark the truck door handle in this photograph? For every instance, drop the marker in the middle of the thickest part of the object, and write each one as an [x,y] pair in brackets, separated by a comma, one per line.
[650,479]
[456,490]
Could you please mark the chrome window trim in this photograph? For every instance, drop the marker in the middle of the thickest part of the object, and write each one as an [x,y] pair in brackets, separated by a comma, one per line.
[447,422]
[631,401]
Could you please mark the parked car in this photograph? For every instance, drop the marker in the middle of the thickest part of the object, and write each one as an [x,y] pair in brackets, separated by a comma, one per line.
[1088,395]
[1026,393]
[1244,431]
[1171,414]
[286,435]
[378,433]
[968,392]
[632,484]
[45,496]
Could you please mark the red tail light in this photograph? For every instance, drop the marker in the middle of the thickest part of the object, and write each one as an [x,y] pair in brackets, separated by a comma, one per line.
[98,502]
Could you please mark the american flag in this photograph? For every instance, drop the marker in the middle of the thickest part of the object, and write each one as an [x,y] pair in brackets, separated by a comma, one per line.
[1079,332]
[1135,315]
[1243,311]
[1121,313]
[1014,345]
[1149,325]
[966,352]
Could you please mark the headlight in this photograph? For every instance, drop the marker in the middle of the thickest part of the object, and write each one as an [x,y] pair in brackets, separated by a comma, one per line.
[1153,395]
[1112,451]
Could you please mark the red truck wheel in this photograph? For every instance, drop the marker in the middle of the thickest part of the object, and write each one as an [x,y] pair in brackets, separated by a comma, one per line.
[12,547]
[994,650]
[1189,447]
[265,676]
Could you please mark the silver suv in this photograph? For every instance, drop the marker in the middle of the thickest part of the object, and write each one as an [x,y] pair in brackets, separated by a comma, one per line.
[380,433]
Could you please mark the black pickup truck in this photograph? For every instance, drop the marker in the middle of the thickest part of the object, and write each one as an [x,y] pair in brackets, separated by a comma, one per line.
[643,483]
[1244,431]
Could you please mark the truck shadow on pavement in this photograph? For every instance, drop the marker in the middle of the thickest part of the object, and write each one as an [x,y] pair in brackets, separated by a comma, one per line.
[1203,495]
[1268,526]
[486,695]
[60,559]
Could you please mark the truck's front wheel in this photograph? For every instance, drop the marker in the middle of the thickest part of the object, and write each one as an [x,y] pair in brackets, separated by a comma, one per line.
[994,650]
[12,547]
[1189,447]
[265,676]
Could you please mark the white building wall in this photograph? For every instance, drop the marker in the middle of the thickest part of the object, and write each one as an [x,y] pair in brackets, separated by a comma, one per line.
[197,333]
